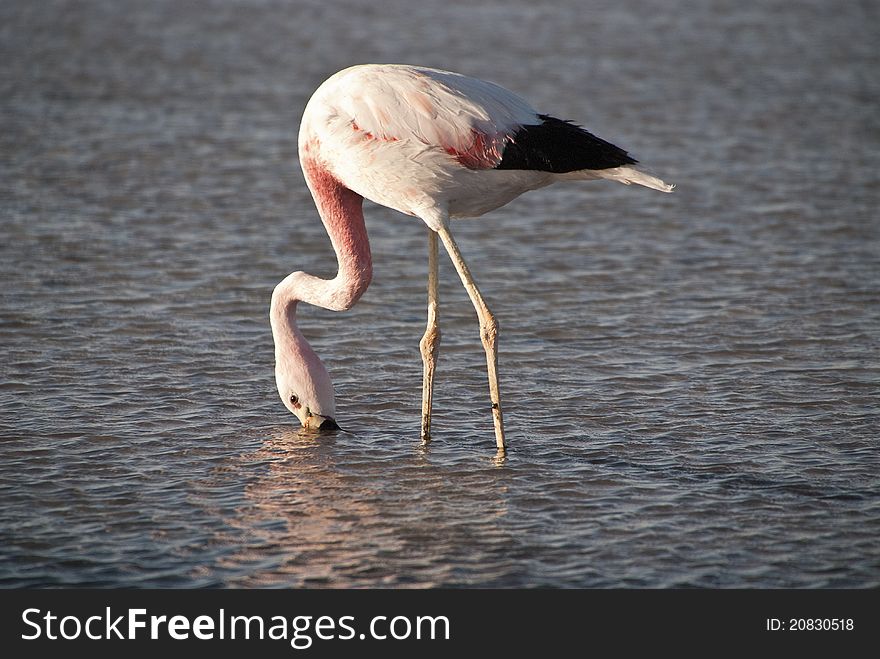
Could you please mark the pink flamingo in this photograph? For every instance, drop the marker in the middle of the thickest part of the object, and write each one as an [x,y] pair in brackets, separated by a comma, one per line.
[435,145]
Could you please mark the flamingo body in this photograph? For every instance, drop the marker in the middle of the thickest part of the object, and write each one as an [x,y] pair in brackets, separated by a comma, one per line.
[432,144]
[417,140]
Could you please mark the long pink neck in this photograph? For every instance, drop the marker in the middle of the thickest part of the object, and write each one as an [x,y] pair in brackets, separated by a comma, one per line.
[341,211]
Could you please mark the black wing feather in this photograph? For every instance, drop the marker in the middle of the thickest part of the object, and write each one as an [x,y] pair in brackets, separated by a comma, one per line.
[560,146]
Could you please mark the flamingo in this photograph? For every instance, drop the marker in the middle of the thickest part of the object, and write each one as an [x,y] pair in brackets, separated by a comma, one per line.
[435,145]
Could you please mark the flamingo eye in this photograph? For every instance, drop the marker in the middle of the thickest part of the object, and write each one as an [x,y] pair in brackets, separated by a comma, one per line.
[294,399]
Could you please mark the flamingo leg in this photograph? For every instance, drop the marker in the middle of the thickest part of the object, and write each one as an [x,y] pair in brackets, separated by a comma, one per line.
[488,330]
[430,343]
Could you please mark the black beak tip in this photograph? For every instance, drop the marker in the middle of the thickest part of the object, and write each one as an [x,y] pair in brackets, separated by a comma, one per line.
[328,424]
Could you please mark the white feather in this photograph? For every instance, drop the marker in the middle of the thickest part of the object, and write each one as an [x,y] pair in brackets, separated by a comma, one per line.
[626,174]
[425,142]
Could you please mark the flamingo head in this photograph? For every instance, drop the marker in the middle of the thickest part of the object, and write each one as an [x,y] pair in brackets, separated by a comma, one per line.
[305,389]
[303,382]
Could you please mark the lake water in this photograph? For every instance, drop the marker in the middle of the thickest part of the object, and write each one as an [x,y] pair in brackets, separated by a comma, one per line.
[690,381]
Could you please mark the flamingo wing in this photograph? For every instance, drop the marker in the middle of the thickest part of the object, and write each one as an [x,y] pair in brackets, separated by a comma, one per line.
[409,137]
[471,120]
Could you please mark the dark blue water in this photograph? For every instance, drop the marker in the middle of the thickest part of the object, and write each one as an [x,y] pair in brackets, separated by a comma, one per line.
[690,380]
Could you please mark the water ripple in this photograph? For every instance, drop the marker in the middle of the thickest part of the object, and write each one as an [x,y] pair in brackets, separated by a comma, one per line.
[689,380]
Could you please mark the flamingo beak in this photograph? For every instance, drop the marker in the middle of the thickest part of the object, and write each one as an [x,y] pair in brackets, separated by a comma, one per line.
[328,424]
[320,423]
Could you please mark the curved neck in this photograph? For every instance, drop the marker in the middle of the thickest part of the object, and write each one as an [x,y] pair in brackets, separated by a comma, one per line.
[341,211]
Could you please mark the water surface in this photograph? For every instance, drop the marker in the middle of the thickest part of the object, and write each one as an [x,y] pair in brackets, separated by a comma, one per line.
[690,381]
